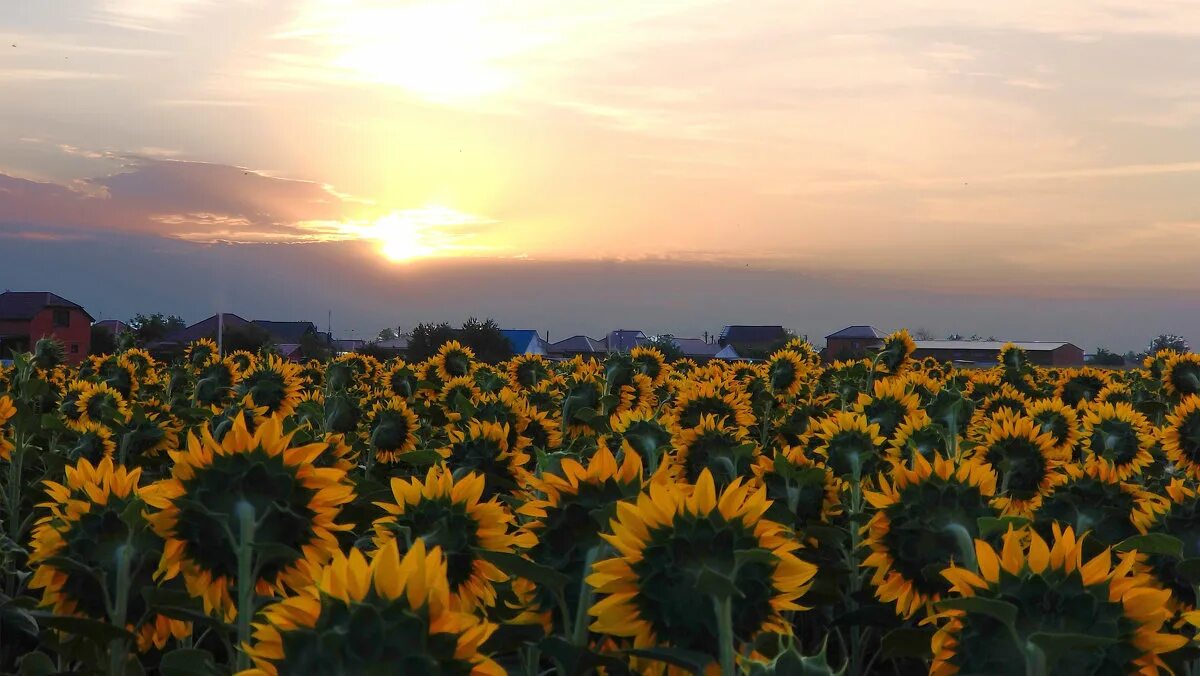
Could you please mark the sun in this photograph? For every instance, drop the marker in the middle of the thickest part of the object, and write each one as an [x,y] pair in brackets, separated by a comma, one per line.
[400,238]
[438,51]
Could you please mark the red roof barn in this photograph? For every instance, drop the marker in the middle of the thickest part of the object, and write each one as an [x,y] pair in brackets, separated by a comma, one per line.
[28,316]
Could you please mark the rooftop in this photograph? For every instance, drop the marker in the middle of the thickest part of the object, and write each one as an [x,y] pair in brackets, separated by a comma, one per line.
[26,304]
[1027,345]
[862,331]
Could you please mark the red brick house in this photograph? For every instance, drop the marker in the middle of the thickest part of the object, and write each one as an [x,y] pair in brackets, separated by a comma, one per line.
[28,316]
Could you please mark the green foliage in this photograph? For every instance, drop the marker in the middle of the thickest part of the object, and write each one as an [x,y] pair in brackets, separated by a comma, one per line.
[483,337]
[147,329]
[665,343]
[1106,357]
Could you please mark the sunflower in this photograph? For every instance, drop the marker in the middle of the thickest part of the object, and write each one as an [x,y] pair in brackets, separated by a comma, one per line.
[1059,421]
[925,518]
[694,399]
[1023,457]
[92,441]
[215,382]
[1115,393]
[525,371]
[568,521]
[1181,374]
[546,396]
[214,485]
[273,383]
[544,430]
[1079,386]
[92,518]
[1119,436]
[68,406]
[643,434]
[198,353]
[787,373]
[802,489]
[242,360]
[1053,592]
[850,442]
[1181,436]
[1006,397]
[447,513]
[362,365]
[673,538]
[103,404]
[889,404]
[712,446]
[453,360]
[1093,498]
[392,615]
[7,411]
[391,429]
[896,351]
[651,362]
[917,435]
[483,447]
[638,395]
[506,407]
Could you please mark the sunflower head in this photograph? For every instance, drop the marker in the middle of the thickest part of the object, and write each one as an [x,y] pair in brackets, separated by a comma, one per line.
[725,400]
[200,352]
[712,446]
[1006,397]
[918,435]
[1181,374]
[1023,457]
[1059,421]
[453,360]
[851,443]
[802,489]
[896,351]
[391,429]
[926,517]
[483,447]
[787,371]
[676,541]
[1118,436]
[890,402]
[94,519]
[650,362]
[215,485]
[272,383]
[447,513]
[1053,591]
[1181,436]
[640,433]
[392,614]
[1093,498]
[527,370]
[1080,386]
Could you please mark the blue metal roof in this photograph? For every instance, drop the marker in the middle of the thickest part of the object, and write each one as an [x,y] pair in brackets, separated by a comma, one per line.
[520,338]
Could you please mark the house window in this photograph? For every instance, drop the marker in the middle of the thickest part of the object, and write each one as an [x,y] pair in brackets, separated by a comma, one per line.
[74,348]
[62,317]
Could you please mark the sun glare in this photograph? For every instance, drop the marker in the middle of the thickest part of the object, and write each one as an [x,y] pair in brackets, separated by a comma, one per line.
[427,232]
[440,51]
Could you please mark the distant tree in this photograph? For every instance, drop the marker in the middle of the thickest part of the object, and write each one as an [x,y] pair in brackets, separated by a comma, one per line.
[427,338]
[956,336]
[150,328]
[103,341]
[1106,357]
[314,346]
[665,343]
[483,337]
[923,334]
[486,340]
[250,337]
[372,350]
[387,334]
[1168,341]
[1132,357]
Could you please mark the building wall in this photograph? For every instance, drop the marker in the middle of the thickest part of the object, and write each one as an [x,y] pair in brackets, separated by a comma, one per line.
[76,337]
[839,348]
[1067,355]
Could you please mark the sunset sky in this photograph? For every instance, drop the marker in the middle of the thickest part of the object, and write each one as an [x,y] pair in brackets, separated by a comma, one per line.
[1022,169]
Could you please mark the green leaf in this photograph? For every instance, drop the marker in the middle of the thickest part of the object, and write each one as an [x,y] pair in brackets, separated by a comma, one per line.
[989,525]
[1189,569]
[1055,645]
[907,642]
[188,662]
[576,660]
[100,632]
[420,458]
[695,662]
[520,566]
[1002,611]
[1153,543]
[36,664]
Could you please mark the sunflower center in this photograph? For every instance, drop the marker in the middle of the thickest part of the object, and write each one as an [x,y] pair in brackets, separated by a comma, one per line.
[391,431]
[441,523]
[1116,441]
[1021,464]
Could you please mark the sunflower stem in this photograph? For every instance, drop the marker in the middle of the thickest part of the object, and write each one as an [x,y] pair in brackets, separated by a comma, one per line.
[245,611]
[118,648]
[766,423]
[584,603]
[723,606]
[966,544]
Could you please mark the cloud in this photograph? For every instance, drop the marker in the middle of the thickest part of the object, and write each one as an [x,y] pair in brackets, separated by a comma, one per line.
[174,198]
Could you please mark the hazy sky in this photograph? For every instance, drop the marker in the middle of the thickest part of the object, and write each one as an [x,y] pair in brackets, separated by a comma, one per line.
[1024,169]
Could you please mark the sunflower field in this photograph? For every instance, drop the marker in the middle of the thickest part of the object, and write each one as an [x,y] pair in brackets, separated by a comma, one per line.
[244,514]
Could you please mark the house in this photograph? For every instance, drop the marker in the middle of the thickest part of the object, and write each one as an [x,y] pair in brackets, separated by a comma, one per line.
[748,337]
[525,341]
[987,352]
[624,340]
[577,346]
[115,327]
[394,347]
[28,316]
[286,336]
[283,333]
[700,350]
[346,346]
[852,342]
